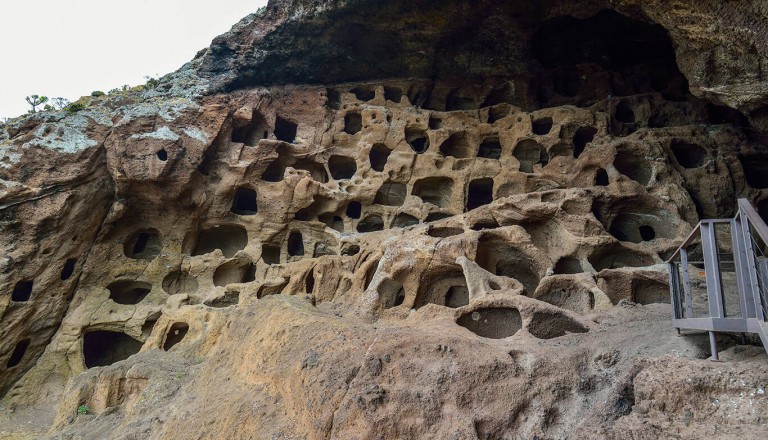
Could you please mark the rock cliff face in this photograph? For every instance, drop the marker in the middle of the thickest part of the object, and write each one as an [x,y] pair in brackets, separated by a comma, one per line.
[389,220]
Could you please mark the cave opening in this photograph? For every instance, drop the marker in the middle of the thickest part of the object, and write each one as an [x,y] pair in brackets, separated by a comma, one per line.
[391,194]
[541,126]
[688,155]
[22,291]
[443,285]
[18,353]
[252,131]
[178,281]
[457,145]
[354,209]
[342,167]
[601,177]
[364,93]
[371,223]
[128,292]
[144,244]
[228,238]
[244,202]
[417,139]
[162,155]
[530,153]
[479,193]
[435,190]
[755,170]
[295,244]
[583,136]
[353,123]
[490,148]
[404,220]
[391,293]
[498,257]
[270,253]
[285,130]
[332,220]
[633,166]
[616,256]
[68,269]
[316,170]
[333,97]
[234,271]
[104,347]
[175,335]
[492,322]
[567,266]
[379,156]
[393,94]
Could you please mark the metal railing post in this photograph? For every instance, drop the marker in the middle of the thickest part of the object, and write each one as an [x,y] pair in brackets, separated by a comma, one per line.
[712,270]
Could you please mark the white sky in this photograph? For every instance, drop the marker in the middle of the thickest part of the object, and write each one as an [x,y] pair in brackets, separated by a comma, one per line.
[69,48]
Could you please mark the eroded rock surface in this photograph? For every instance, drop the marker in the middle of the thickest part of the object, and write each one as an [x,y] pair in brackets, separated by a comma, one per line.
[436,232]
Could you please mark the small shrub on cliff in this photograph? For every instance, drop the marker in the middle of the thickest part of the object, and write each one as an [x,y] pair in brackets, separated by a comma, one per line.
[83,410]
[35,100]
[97,93]
[75,107]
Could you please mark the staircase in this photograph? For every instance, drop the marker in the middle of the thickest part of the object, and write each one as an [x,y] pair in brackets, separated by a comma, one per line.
[718,277]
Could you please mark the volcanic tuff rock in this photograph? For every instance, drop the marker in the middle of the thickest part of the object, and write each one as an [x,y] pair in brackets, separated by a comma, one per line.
[389,220]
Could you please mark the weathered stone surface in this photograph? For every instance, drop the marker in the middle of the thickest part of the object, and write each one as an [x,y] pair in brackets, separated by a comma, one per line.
[401,221]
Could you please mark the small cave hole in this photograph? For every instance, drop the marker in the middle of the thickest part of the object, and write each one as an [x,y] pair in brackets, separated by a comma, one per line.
[550,326]
[285,130]
[144,244]
[178,281]
[542,126]
[688,155]
[530,153]
[624,113]
[364,93]
[404,220]
[252,132]
[457,145]
[270,253]
[393,94]
[370,223]
[354,209]
[479,193]
[332,220]
[244,201]
[68,269]
[633,166]
[333,99]
[492,322]
[445,232]
[22,291]
[353,123]
[500,258]
[646,233]
[323,249]
[435,122]
[228,238]
[316,171]
[162,155]
[435,216]
[435,190]
[391,194]
[350,249]
[295,244]
[490,148]
[342,167]
[583,136]
[233,272]
[601,177]
[379,156]
[567,266]
[616,256]
[310,282]
[18,353]
[497,112]
[391,293]
[417,139]
[128,292]
[103,347]
[755,170]
[175,334]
